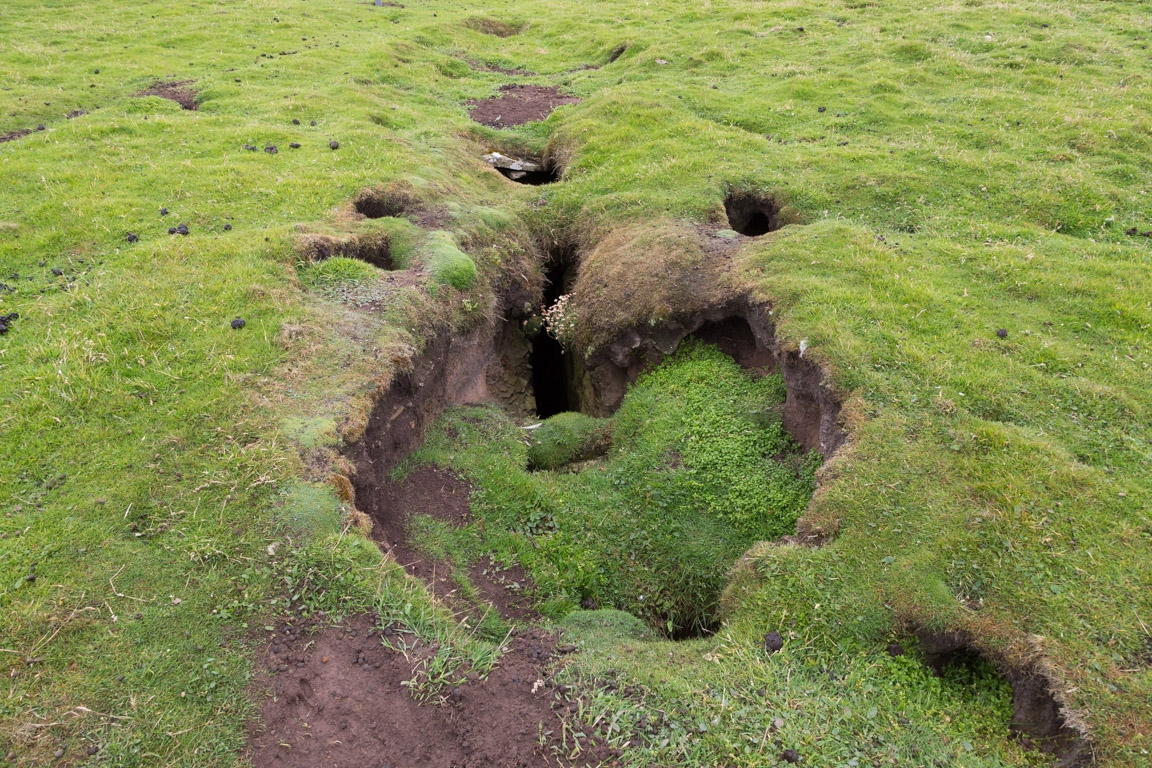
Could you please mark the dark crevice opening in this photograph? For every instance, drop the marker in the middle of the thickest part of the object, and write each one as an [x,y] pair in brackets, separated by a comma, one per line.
[752,215]
[552,370]
[547,175]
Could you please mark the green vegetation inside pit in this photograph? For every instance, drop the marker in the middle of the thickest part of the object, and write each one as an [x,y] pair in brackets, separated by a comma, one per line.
[726,700]
[700,469]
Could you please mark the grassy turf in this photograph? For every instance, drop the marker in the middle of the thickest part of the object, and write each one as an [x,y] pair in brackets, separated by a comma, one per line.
[960,168]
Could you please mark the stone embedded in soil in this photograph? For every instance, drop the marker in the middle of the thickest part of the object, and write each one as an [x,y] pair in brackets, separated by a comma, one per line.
[773,641]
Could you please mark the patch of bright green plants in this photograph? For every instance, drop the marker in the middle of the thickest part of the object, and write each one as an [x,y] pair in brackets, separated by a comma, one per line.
[700,469]
[726,700]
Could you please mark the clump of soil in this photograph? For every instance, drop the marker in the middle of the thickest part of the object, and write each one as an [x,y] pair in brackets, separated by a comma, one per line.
[173,90]
[518,104]
[336,698]
[752,215]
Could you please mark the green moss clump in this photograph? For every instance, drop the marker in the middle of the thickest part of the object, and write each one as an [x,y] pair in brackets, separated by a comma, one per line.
[449,265]
[566,438]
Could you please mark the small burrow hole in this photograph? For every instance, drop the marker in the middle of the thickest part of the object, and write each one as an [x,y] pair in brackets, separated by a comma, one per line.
[752,215]
[527,170]
[616,53]
[381,203]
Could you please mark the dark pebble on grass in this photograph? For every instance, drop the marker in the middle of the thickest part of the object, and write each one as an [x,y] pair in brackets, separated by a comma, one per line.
[295,145]
[227,227]
[271,149]
[163,211]
[895,649]
[773,641]
[171,230]
[295,121]
[790,756]
[182,229]
[238,323]
[334,144]
[131,237]
[58,272]
[1002,333]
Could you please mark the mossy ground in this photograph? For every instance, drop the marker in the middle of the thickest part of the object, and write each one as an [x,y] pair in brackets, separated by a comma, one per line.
[959,168]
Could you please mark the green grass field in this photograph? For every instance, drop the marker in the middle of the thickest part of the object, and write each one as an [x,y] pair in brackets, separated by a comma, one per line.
[953,170]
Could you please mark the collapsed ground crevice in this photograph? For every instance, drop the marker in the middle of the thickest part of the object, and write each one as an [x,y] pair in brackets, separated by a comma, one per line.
[374,249]
[1038,719]
[746,332]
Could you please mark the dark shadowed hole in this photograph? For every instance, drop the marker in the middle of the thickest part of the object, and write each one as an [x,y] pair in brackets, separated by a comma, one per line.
[549,174]
[378,204]
[552,370]
[752,215]
[617,52]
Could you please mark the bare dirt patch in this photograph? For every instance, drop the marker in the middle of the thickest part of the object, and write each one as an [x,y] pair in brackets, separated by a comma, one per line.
[19,133]
[518,104]
[336,699]
[173,90]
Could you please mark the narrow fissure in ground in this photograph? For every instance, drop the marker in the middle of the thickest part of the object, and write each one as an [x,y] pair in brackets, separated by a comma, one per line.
[553,384]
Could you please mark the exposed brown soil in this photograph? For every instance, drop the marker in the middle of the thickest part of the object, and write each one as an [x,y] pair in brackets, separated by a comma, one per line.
[444,496]
[19,133]
[519,104]
[173,90]
[336,700]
